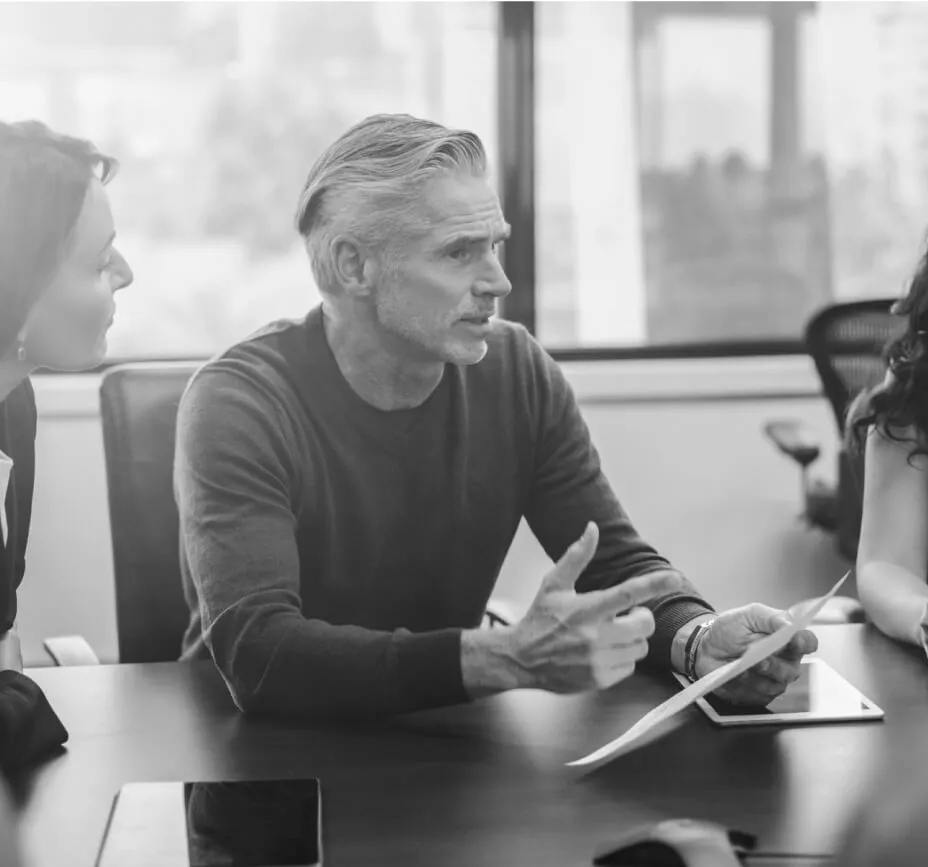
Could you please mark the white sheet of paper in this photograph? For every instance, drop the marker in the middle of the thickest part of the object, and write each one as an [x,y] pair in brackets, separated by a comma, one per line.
[756,653]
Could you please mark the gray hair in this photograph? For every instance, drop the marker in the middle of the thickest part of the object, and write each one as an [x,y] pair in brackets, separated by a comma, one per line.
[366,183]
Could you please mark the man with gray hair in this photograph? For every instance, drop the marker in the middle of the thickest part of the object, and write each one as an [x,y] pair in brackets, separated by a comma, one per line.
[349,484]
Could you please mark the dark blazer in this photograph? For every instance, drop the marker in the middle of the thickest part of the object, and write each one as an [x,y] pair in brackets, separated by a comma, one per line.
[29,728]
[17,440]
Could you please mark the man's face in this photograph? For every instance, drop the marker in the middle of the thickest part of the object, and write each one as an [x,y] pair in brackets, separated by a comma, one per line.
[436,300]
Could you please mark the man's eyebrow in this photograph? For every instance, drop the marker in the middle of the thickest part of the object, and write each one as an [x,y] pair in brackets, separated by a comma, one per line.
[458,237]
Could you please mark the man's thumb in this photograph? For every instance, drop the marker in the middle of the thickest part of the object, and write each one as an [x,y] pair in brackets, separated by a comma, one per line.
[575,559]
[771,620]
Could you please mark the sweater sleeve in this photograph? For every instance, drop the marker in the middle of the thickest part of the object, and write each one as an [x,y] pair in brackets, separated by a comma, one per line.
[569,489]
[236,481]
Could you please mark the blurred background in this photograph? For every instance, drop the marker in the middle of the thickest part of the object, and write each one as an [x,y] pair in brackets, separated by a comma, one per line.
[688,183]
[703,172]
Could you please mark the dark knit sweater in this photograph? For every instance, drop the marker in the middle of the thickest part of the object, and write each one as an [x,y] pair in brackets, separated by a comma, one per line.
[332,552]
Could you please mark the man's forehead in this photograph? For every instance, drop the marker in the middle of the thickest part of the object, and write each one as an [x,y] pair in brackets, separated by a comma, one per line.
[454,204]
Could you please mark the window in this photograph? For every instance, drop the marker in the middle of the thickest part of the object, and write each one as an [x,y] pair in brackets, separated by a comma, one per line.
[216,112]
[705,173]
[877,127]
[716,172]
[682,192]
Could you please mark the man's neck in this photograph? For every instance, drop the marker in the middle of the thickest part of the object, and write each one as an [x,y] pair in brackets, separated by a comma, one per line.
[377,372]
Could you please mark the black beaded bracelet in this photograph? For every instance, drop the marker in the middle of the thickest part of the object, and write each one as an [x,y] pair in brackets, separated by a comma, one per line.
[689,652]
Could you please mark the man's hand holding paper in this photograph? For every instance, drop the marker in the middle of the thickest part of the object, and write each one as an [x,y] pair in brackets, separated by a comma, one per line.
[728,637]
[756,650]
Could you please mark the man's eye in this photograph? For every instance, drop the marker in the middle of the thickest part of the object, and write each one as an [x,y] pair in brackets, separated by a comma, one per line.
[459,253]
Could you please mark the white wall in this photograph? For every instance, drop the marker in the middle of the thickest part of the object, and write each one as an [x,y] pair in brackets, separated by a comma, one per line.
[680,441]
[68,586]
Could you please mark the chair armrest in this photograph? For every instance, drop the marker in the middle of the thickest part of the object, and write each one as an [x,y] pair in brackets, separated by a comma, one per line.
[499,613]
[794,439]
[70,650]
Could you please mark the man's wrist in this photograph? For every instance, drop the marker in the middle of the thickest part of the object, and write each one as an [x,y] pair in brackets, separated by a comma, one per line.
[489,664]
[678,645]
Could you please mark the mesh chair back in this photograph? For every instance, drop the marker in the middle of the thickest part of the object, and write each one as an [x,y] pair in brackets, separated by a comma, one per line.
[846,342]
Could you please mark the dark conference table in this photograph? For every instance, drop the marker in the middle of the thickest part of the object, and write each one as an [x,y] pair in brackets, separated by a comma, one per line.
[480,784]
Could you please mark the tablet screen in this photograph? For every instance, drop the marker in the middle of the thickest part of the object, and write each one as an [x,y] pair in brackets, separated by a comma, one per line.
[820,694]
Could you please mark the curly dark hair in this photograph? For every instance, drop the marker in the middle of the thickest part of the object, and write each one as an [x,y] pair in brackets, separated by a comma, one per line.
[898,408]
[44,177]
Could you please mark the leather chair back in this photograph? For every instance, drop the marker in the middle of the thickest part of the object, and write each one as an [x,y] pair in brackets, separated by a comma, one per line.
[138,405]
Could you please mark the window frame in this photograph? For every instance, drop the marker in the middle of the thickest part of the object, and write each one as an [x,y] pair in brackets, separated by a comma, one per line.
[516,113]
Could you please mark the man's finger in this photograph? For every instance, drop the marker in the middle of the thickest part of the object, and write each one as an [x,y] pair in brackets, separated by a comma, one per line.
[635,626]
[777,669]
[619,672]
[801,644]
[634,591]
[765,620]
[575,559]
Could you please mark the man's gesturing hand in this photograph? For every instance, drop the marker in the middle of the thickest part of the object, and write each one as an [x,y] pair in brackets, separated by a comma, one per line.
[569,641]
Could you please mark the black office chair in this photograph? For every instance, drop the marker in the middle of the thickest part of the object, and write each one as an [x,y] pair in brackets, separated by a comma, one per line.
[138,404]
[139,410]
[846,342]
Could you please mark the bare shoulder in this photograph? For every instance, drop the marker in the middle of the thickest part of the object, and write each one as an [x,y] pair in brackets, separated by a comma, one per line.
[897,449]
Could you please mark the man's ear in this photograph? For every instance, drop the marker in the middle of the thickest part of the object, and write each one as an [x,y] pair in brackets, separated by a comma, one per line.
[354,268]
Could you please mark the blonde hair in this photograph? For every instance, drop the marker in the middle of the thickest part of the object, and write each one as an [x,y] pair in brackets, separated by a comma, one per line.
[367,182]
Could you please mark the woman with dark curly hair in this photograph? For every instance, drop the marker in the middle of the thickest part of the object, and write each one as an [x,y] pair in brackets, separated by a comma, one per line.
[891,425]
[59,271]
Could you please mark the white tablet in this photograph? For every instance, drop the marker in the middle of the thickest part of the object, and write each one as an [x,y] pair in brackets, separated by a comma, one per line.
[819,695]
